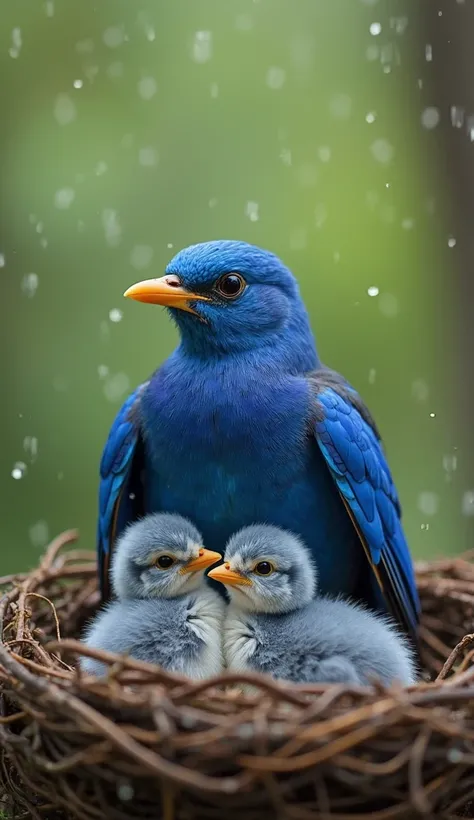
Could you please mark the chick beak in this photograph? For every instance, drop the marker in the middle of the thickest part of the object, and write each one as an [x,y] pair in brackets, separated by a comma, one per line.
[204,559]
[228,576]
[167,291]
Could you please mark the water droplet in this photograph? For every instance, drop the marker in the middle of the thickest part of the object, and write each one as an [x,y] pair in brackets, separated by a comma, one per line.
[425,526]
[39,534]
[468,503]
[341,106]
[252,211]
[113,36]
[214,91]
[30,446]
[243,22]
[372,53]
[49,8]
[115,70]
[324,153]
[373,290]
[212,202]
[141,256]
[372,375]
[432,415]
[420,390]
[336,256]
[85,46]
[65,110]
[101,168]
[382,151]
[15,49]
[375,29]
[115,315]
[19,470]
[64,198]
[455,755]
[450,462]
[388,305]
[2,260]
[147,157]
[370,117]
[78,83]
[112,227]
[307,175]
[276,77]
[408,223]
[202,47]
[428,52]
[457,116]
[428,503]
[29,284]
[116,386]
[103,371]
[147,88]
[125,792]
[320,215]
[430,117]
[399,24]
[451,242]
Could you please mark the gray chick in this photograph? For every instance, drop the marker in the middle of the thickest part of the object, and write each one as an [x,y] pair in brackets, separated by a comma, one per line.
[165,612]
[277,624]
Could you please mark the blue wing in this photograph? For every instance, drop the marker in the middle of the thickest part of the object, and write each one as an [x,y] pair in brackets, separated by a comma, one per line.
[351,446]
[120,486]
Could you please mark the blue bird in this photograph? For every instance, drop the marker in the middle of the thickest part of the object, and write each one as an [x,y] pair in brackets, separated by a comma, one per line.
[244,424]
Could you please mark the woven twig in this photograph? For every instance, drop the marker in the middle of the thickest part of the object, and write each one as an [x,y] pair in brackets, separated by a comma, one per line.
[143,743]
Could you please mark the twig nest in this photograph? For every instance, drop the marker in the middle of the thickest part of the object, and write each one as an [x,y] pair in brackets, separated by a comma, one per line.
[143,743]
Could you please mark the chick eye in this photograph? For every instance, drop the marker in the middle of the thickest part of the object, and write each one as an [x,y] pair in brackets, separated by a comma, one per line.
[264,568]
[230,285]
[165,561]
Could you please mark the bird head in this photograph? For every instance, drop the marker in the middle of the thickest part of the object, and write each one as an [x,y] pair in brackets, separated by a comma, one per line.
[267,570]
[228,296]
[160,556]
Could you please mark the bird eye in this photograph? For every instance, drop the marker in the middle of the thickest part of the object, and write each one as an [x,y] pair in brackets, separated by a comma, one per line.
[230,285]
[264,568]
[165,561]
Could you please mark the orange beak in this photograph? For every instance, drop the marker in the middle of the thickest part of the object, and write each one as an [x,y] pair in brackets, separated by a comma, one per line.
[205,559]
[166,291]
[228,576]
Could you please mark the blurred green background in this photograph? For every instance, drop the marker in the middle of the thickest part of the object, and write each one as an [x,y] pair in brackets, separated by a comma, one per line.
[129,130]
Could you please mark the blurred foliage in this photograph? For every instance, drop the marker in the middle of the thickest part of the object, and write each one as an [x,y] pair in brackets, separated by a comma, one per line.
[132,129]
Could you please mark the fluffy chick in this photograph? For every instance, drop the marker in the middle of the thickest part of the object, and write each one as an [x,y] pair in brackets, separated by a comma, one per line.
[164,611]
[278,624]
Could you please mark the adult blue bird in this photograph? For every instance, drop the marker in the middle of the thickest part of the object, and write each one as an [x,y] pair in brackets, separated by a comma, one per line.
[243,424]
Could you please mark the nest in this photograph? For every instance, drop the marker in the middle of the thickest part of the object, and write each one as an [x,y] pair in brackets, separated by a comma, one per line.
[143,743]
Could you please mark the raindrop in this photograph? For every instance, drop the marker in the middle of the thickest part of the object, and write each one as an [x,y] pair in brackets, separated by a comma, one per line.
[428,503]
[19,470]
[375,29]
[85,46]
[399,24]
[428,52]
[324,153]
[78,83]
[64,198]
[112,227]
[49,8]
[372,53]
[30,446]
[125,792]
[44,242]
[214,91]
[285,156]
[382,151]
[455,755]
[115,70]
[373,290]
[202,47]
[65,110]
[372,375]
[276,77]
[116,386]
[212,202]
[29,284]
[16,43]
[432,415]
[2,260]
[141,256]
[408,223]
[450,463]
[370,117]
[115,315]
[39,534]
[147,157]
[457,116]
[252,211]
[425,526]
[40,227]
[147,88]
[91,72]
[420,390]
[113,36]
[341,106]
[150,33]
[451,242]
[430,117]
[468,503]
[103,371]
[101,168]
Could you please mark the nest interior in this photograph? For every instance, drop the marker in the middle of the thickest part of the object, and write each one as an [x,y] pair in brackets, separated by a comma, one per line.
[143,743]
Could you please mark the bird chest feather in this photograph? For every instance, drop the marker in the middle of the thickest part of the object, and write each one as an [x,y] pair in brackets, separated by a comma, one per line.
[205,614]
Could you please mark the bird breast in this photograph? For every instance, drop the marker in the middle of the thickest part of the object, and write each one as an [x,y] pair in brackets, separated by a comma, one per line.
[239,641]
[204,619]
